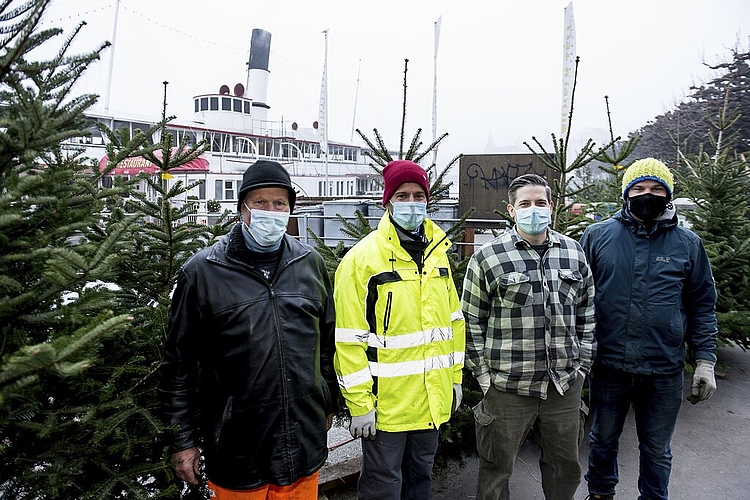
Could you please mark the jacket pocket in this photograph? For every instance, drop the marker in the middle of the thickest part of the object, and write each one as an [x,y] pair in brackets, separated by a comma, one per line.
[568,283]
[483,427]
[515,290]
[224,418]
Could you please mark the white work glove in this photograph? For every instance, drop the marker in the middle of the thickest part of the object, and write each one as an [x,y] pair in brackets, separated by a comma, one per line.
[363,425]
[704,383]
[484,382]
[458,396]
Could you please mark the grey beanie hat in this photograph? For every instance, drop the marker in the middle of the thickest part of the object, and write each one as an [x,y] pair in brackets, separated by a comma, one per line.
[264,173]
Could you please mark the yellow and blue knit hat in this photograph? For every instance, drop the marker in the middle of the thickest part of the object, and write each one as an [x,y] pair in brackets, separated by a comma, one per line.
[648,169]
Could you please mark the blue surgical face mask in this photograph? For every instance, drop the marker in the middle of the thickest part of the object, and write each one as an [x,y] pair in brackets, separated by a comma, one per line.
[266,228]
[533,220]
[409,214]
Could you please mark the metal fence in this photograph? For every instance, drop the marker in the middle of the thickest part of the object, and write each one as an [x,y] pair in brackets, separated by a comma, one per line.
[329,228]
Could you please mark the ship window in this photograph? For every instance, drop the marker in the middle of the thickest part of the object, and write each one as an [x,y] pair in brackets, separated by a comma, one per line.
[188,137]
[204,103]
[246,109]
[121,124]
[226,104]
[237,105]
[228,190]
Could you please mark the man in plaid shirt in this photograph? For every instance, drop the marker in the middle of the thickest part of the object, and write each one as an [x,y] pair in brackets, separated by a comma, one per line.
[528,302]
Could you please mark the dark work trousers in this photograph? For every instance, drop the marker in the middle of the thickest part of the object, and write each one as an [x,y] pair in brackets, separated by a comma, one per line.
[503,421]
[397,466]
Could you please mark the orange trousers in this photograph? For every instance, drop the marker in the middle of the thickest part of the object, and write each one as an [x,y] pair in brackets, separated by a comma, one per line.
[305,488]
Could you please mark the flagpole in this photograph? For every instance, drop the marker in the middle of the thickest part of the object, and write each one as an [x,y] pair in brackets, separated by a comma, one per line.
[323,113]
[356,94]
[434,90]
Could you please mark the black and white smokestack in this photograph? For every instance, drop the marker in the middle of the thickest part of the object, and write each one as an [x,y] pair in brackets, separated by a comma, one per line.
[257,71]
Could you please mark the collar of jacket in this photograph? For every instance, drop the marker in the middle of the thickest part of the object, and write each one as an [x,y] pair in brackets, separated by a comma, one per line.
[231,250]
[436,237]
[416,240]
[641,229]
[552,238]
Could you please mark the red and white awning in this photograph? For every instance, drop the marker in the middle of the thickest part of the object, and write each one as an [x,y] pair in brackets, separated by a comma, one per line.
[136,165]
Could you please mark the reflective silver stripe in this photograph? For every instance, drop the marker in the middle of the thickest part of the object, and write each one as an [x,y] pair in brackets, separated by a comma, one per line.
[458,358]
[351,335]
[355,379]
[417,367]
[457,316]
[411,339]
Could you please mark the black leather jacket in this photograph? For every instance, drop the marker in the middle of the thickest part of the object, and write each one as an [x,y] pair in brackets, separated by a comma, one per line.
[248,364]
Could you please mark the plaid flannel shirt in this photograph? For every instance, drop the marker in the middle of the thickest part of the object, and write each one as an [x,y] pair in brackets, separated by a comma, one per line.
[529,318]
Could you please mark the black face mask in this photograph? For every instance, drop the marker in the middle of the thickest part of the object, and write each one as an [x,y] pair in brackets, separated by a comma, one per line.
[647,207]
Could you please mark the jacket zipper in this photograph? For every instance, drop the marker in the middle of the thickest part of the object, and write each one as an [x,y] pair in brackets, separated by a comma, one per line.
[387,319]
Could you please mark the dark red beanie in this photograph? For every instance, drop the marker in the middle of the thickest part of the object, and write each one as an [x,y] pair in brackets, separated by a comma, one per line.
[401,171]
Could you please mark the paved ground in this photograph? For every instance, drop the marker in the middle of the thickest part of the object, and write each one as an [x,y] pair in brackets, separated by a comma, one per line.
[711,449]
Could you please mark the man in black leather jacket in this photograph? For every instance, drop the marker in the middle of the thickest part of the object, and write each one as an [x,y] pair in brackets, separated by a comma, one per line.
[247,373]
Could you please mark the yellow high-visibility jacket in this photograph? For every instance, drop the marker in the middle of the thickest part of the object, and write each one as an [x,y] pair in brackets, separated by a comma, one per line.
[400,335]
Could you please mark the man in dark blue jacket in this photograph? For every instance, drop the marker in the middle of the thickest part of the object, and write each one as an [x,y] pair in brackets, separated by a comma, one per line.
[655,293]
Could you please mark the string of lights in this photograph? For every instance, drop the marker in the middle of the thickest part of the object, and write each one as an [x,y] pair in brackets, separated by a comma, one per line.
[91,9]
[88,13]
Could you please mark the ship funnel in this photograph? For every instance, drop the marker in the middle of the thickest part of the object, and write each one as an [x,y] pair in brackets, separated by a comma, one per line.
[257,73]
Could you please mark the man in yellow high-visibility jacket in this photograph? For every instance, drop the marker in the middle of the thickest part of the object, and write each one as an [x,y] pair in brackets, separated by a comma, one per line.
[400,340]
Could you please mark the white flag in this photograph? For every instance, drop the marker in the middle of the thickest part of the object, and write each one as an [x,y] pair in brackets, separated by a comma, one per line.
[323,110]
[569,62]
